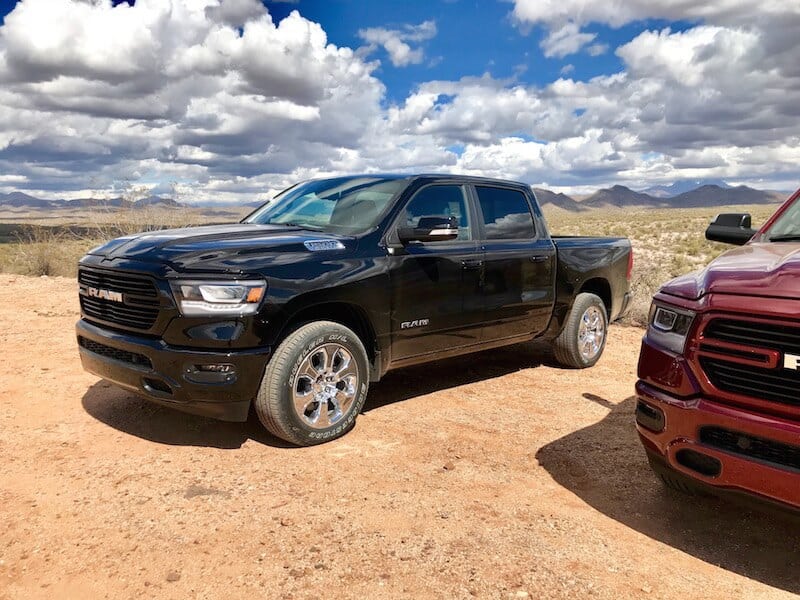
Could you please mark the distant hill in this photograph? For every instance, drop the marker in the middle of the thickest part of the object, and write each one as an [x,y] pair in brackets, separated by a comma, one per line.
[713,195]
[620,197]
[20,199]
[546,197]
[679,187]
[617,196]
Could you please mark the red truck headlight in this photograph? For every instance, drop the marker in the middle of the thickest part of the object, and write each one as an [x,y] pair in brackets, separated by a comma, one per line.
[668,326]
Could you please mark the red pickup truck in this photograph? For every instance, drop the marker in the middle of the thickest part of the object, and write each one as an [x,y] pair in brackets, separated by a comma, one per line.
[718,396]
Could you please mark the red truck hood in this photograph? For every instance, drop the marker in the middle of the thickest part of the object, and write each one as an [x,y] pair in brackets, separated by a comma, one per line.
[756,269]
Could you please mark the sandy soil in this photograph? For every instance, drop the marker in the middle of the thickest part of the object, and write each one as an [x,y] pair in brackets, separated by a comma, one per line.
[489,477]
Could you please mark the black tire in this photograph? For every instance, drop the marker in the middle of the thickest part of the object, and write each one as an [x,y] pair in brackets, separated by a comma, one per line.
[275,405]
[567,348]
[677,484]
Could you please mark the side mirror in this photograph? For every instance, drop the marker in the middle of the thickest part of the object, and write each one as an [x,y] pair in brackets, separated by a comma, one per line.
[430,229]
[731,228]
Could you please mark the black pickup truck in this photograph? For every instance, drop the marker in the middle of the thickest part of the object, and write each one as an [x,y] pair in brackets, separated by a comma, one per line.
[322,290]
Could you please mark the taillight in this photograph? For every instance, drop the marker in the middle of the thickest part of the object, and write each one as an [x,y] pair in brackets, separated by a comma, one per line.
[630,265]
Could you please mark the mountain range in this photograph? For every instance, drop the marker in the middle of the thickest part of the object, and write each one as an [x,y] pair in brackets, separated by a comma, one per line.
[674,196]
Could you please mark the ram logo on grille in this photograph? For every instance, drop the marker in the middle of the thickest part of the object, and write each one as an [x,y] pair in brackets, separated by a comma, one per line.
[94,292]
[791,361]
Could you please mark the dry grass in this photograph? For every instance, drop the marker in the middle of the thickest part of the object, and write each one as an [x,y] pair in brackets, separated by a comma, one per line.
[666,242]
[47,244]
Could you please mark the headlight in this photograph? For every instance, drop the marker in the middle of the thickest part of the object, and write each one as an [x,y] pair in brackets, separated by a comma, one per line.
[204,298]
[668,326]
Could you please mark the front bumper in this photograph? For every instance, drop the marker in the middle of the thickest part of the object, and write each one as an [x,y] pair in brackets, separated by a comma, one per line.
[677,445]
[170,376]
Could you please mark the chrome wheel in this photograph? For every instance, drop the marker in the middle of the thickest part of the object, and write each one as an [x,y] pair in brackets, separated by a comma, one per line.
[325,386]
[591,333]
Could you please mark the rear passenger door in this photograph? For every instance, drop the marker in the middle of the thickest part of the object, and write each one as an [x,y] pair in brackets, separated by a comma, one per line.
[519,264]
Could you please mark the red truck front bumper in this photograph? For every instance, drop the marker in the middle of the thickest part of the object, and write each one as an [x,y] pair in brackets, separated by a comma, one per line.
[720,447]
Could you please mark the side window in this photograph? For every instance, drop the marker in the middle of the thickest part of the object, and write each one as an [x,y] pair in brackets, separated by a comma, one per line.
[439,201]
[506,214]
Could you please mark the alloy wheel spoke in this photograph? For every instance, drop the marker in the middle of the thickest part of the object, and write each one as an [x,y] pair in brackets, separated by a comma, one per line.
[325,386]
[344,360]
[320,416]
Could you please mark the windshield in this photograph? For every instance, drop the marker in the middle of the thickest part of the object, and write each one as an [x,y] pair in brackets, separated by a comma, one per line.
[786,227]
[340,205]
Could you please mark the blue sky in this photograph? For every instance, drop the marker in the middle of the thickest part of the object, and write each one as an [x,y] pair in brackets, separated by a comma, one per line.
[472,38]
[229,99]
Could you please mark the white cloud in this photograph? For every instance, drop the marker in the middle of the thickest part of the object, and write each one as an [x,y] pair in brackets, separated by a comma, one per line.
[222,100]
[597,49]
[620,12]
[568,39]
[394,41]
[90,89]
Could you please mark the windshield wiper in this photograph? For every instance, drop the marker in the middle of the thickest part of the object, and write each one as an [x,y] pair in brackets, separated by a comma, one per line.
[300,225]
[788,237]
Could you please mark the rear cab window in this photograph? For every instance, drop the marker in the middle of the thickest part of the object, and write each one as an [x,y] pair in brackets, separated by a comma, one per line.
[506,213]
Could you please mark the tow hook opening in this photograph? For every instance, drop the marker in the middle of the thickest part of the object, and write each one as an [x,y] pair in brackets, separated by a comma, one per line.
[699,462]
[156,386]
[650,417]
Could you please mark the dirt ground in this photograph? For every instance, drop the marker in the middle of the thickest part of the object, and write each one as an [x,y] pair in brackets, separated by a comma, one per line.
[488,476]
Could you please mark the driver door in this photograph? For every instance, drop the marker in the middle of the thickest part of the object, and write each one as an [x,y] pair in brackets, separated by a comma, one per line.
[435,286]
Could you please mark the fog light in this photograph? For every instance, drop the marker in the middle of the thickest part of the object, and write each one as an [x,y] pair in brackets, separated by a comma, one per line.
[220,368]
[221,373]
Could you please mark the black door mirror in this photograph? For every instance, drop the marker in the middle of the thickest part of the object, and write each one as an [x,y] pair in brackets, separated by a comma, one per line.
[430,229]
[731,228]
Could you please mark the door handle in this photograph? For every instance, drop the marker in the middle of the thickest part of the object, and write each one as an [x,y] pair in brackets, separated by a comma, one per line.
[539,258]
[472,264]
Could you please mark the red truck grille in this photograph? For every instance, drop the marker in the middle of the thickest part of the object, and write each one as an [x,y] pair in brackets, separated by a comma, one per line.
[744,444]
[742,374]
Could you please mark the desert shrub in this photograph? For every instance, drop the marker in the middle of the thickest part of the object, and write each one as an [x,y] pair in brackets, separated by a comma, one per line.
[41,250]
[666,242]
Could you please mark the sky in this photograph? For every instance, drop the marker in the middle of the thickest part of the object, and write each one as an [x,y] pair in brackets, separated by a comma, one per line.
[233,100]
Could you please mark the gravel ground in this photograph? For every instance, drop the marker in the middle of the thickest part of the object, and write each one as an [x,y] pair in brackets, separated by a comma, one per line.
[489,476]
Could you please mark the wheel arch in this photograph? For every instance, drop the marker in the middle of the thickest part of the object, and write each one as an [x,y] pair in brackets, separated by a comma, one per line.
[350,315]
[600,288]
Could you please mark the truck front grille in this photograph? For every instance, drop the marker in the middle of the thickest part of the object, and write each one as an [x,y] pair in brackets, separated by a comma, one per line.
[775,385]
[125,356]
[769,382]
[753,334]
[743,444]
[139,307]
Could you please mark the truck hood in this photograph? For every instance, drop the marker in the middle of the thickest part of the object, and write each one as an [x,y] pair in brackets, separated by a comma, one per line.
[756,269]
[221,247]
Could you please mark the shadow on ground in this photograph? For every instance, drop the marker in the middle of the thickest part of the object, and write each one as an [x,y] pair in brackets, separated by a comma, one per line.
[605,466]
[410,382]
[130,414]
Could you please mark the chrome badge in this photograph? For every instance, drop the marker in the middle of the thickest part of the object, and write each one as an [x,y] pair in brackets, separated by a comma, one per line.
[94,292]
[414,323]
[317,245]
[791,361]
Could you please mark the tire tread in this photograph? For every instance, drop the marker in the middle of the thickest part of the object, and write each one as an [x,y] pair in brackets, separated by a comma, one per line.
[268,403]
[565,348]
